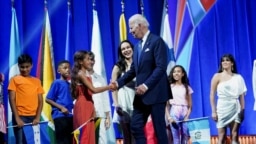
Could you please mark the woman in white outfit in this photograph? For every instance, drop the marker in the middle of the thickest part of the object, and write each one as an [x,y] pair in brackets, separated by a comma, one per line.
[231,89]
[123,98]
[102,107]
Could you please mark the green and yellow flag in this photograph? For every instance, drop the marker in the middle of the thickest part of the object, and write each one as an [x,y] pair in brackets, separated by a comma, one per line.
[46,71]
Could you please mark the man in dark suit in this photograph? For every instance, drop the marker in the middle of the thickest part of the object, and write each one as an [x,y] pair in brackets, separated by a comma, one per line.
[152,86]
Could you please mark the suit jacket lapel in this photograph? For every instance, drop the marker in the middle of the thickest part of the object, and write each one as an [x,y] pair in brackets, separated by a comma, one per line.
[146,44]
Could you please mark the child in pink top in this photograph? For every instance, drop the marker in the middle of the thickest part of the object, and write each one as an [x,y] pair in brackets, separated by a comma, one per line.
[179,108]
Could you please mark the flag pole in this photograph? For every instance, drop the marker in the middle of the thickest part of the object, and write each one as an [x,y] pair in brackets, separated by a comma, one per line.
[45,3]
[85,123]
[68,3]
[93,4]
[67,46]
[27,124]
[142,7]
[166,6]
[192,119]
[196,119]
[12,2]
[122,5]
[122,24]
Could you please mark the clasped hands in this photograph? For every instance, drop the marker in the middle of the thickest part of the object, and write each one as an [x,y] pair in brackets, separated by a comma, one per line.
[140,90]
[113,86]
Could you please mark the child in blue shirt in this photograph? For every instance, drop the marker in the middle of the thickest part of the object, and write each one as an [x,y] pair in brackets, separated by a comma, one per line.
[59,97]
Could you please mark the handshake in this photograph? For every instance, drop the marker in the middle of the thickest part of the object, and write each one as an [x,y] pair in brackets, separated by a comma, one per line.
[113,86]
[140,90]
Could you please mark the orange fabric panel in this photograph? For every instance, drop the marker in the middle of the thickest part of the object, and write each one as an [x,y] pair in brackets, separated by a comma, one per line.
[214,140]
[242,140]
[27,90]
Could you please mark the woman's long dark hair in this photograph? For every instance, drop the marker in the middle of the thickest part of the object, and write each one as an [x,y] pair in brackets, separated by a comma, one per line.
[230,58]
[121,63]
[184,79]
[78,57]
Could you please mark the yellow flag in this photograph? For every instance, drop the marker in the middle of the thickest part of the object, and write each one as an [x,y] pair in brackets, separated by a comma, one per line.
[46,71]
[76,135]
[122,28]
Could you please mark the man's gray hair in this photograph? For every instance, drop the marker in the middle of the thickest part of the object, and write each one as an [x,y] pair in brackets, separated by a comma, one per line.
[139,19]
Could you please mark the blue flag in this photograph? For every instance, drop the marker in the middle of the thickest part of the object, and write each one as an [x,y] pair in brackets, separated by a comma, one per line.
[199,130]
[15,50]
[99,67]
[37,134]
[167,37]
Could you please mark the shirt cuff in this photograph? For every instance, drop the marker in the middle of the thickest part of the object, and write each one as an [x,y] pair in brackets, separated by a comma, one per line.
[145,86]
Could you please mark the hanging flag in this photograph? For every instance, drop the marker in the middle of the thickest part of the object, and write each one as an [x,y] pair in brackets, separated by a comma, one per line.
[97,129]
[122,27]
[68,34]
[99,66]
[78,133]
[36,134]
[123,36]
[199,130]
[96,47]
[77,136]
[167,37]
[15,51]
[46,70]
